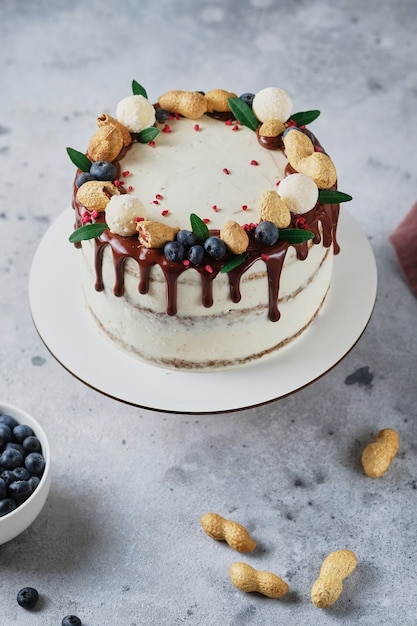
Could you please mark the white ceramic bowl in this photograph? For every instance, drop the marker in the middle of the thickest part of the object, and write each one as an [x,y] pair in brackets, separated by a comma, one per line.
[14,523]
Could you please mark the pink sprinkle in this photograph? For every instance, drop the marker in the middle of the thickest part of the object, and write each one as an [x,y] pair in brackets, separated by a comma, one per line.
[155,202]
[165,212]
[125,173]
[244,207]
[215,208]
[196,127]
[186,262]
[277,183]
[209,269]
[228,122]
[253,162]
[139,219]
[152,144]
[249,227]
[265,257]
[206,220]
[85,218]
[95,214]
[225,170]
[235,127]
[167,129]
[117,183]
[159,197]
[177,116]
[130,188]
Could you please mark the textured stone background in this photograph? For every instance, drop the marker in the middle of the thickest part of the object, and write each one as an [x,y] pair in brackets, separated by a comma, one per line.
[119,541]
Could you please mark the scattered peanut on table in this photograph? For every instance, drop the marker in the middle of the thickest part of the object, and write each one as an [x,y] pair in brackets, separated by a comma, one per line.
[335,568]
[221,529]
[246,578]
[378,455]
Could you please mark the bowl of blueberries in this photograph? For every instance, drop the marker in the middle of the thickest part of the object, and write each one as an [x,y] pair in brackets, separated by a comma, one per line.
[25,470]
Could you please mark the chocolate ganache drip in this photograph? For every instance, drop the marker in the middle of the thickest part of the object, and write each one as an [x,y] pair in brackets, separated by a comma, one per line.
[321,221]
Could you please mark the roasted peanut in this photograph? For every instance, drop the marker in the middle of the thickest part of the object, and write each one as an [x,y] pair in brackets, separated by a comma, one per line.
[233,533]
[246,578]
[335,568]
[154,234]
[302,157]
[105,119]
[378,455]
[217,100]
[272,208]
[105,144]
[190,104]
[95,194]
[235,237]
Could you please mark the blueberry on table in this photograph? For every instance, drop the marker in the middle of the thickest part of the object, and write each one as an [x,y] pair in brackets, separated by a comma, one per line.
[196,254]
[6,435]
[71,620]
[27,597]
[21,473]
[7,476]
[267,233]
[35,463]
[20,490]
[215,247]
[103,170]
[31,444]
[3,489]
[174,251]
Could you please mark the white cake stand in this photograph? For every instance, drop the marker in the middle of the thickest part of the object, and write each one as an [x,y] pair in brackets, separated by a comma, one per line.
[64,325]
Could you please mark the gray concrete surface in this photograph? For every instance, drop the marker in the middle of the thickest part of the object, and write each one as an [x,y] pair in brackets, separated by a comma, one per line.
[119,541]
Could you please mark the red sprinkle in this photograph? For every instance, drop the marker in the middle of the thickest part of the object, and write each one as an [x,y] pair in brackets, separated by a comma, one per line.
[130,188]
[228,122]
[253,162]
[265,257]
[225,170]
[155,201]
[152,144]
[206,220]
[139,219]
[85,218]
[125,173]
[164,212]
[186,262]
[300,222]
[215,208]
[117,183]
[159,197]
[95,214]
[167,129]
[244,207]
[235,127]
[209,269]
[196,127]
[249,227]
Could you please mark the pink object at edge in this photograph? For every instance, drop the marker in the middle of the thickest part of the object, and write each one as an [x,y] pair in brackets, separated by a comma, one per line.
[404,241]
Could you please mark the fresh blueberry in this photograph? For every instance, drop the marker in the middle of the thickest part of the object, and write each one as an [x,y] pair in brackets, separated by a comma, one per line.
[82,178]
[21,431]
[248,98]
[21,473]
[267,233]
[161,115]
[32,444]
[6,435]
[71,620]
[215,247]
[174,251]
[289,129]
[11,458]
[34,482]
[16,446]
[196,254]
[187,238]
[3,489]
[20,490]
[35,463]
[10,421]
[7,505]
[7,476]
[27,597]
[103,170]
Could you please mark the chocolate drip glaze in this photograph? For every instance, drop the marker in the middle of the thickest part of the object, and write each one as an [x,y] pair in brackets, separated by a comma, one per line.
[321,220]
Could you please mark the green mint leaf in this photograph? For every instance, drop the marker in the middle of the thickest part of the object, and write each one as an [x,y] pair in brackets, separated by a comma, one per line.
[199,228]
[243,113]
[88,231]
[138,90]
[235,262]
[79,159]
[148,134]
[305,117]
[295,235]
[332,196]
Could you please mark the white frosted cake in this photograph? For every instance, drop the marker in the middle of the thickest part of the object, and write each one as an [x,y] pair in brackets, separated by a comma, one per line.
[207,226]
